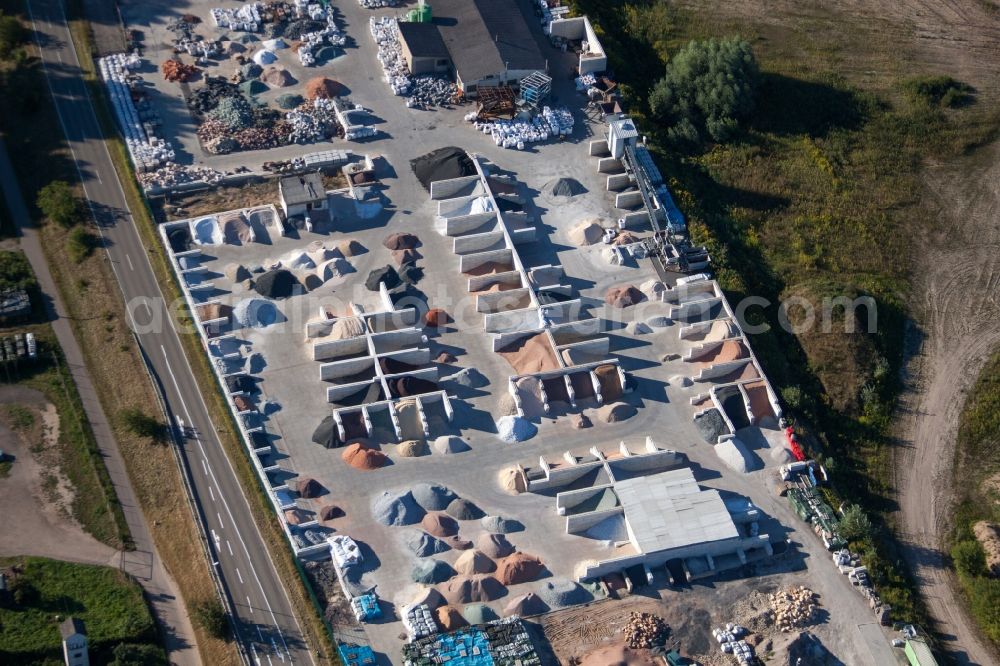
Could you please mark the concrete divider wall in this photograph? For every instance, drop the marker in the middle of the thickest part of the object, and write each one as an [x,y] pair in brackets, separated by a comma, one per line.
[412,356]
[618,182]
[527,319]
[318,328]
[635,220]
[645,462]
[386,322]
[694,291]
[563,289]
[478,282]
[720,369]
[717,399]
[494,301]
[430,374]
[568,28]
[703,350]
[458,206]
[391,341]
[571,498]
[582,522]
[478,242]
[335,393]
[503,340]
[599,147]
[696,309]
[523,235]
[596,346]
[463,224]
[455,187]
[690,330]
[628,199]
[556,311]
[470,262]
[610,165]
[324,351]
[544,270]
[556,477]
[338,369]
[569,332]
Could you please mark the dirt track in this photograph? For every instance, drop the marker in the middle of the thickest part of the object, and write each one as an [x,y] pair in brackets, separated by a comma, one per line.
[958,282]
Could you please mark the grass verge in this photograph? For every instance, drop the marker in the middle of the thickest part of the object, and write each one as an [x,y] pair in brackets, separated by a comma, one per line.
[317,634]
[46,591]
[977,489]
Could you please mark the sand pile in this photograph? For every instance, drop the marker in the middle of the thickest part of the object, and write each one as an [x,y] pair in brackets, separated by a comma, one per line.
[255,313]
[322,87]
[419,595]
[277,77]
[277,283]
[638,328]
[412,448]
[432,496]
[307,487]
[734,455]
[431,572]
[350,247]
[506,405]
[395,509]
[422,544]
[458,543]
[409,386]
[210,311]
[478,614]
[626,238]
[467,589]
[494,545]
[988,536]
[652,289]
[235,229]
[448,618]
[580,421]
[610,381]
[515,429]
[730,350]
[297,260]
[680,380]
[401,241]
[560,592]
[236,273]
[619,654]
[616,412]
[529,390]
[586,233]
[526,605]
[501,525]
[330,512]
[474,562]
[518,568]
[463,509]
[343,329]
[489,268]
[408,415]
[445,357]
[436,317]
[361,457]
[295,516]
[531,354]
[439,525]
[623,297]
[447,444]
[512,480]
[403,257]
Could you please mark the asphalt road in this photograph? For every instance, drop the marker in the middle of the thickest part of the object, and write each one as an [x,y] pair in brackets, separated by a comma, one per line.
[265,622]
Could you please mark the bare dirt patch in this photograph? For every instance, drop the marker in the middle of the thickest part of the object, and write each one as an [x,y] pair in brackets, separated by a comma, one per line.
[35,496]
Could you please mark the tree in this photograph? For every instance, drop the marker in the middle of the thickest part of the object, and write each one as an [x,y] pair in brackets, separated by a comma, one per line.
[142,425]
[969,558]
[210,614]
[708,89]
[130,654]
[56,201]
[12,33]
[855,525]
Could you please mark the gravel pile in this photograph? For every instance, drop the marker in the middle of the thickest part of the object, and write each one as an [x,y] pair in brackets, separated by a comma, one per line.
[463,509]
[494,545]
[526,605]
[288,101]
[439,525]
[431,572]
[469,589]
[560,592]
[710,425]
[432,497]
[276,284]
[734,455]
[519,568]
[515,429]
[478,614]
[447,444]
[469,378]
[474,562]
[395,509]
[501,525]
[616,412]
[442,164]
[422,544]
[255,313]
[413,448]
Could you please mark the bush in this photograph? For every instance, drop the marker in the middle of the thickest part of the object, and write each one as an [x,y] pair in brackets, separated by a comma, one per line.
[130,654]
[708,89]
[212,618]
[15,271]
[80,244]
[142,425]
[12,33]
[855,525]
[938,91]
[56,201]
[969,558]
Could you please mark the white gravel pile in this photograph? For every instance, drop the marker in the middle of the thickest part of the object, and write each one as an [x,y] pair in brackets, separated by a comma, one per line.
[515,429]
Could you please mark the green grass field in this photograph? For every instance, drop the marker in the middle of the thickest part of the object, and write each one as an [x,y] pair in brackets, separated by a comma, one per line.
[111,606]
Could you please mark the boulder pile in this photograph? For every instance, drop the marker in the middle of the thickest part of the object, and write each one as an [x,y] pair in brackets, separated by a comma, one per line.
[794,607]
[645,630]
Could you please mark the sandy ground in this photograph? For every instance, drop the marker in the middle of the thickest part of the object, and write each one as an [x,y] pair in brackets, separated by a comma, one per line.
[35,520]
[960,305]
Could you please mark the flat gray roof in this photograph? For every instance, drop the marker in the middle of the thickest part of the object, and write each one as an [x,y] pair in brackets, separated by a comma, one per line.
[301,189]
[423,40]
[669,510]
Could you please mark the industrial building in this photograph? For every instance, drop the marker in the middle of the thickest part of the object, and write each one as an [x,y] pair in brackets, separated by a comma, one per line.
[301,194]
[481,43]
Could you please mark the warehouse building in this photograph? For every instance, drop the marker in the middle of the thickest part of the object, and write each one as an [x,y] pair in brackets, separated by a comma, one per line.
[481,43]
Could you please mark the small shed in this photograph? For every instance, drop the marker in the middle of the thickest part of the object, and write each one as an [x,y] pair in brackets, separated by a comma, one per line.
[301,194]
[74,641]
[423,48]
